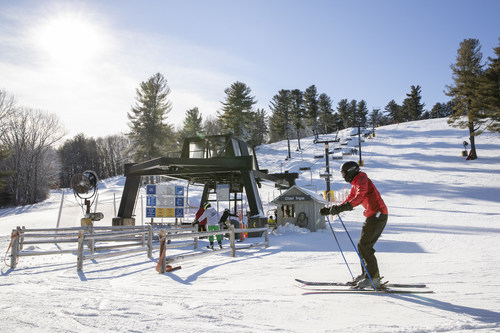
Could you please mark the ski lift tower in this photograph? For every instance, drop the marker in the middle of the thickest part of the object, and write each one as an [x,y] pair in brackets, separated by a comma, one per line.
[208,161]
[327,163]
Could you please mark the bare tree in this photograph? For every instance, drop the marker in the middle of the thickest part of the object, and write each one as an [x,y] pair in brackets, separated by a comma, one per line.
[30,135]
[7,107]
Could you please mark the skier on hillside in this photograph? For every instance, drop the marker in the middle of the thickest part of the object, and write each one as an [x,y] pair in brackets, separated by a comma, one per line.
[365,193]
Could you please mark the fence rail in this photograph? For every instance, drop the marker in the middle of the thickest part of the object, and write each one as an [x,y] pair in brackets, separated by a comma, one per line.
[139,238]
[232,241]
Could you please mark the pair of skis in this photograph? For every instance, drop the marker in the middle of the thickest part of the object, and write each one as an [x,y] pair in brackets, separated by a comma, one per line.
[314,287]
[338,287]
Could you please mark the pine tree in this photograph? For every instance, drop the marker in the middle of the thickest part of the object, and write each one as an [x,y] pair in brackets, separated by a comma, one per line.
[337,123]
[281,107]
[260,128]
[148,128]
[489,92]
[236,114]
[312,108]
[441,110]
[325,113]
[192,125]
[352,110]
[297,112]
[468,112]
[394,112]
[412,108]
[361,113]
[343,111]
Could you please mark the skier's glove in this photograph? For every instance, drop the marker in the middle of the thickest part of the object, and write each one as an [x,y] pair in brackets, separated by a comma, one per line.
[334,210]
[324,211]
[195,222]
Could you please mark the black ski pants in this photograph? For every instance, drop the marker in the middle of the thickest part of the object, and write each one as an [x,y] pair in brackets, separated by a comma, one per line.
[371,231]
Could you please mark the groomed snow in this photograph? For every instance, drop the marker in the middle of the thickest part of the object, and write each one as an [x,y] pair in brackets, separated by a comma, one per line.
[443,230]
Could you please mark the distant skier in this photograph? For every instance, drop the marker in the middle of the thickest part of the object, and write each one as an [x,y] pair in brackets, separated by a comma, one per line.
[365,193]
[213,218]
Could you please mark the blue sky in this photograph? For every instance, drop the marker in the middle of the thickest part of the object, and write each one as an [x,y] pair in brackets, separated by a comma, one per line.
[83,60]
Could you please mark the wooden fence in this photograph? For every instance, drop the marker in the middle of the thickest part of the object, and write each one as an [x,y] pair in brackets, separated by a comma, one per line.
[164,259]
[131,238]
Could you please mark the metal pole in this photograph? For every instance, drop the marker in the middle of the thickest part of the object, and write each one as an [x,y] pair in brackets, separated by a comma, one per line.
[338,244]
[60,210]
[359,146]
[359,256]
[327,173]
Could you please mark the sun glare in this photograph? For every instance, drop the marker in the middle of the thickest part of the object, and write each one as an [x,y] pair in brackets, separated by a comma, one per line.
[69,41]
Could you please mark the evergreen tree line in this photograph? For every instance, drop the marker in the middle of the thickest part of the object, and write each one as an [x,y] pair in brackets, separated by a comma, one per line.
[30,165]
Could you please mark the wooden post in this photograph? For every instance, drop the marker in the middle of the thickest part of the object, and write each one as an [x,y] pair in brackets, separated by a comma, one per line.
[267,236]
[163,259]
[143,239]
[79,259]
[150,241]
[21,239]
[232,240]
[91,242]
[15,248]
[195,229]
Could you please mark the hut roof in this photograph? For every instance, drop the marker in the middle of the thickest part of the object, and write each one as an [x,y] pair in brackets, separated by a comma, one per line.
[297,193]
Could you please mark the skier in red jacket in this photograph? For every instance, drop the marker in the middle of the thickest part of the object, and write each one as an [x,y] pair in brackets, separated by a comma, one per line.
[364,193]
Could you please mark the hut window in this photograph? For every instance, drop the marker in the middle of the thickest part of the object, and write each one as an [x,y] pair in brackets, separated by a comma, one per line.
[288,210]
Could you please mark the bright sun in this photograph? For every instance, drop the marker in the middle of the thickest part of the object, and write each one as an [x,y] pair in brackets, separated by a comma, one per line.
[69,41]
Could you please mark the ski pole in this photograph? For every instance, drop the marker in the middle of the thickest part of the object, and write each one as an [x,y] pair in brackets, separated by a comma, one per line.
[338,244]
[359,256]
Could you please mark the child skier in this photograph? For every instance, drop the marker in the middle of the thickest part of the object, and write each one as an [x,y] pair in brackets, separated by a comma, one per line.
[213,218]
[365,193]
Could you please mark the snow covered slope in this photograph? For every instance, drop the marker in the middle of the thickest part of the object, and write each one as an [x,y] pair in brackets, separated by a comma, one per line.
[443,230]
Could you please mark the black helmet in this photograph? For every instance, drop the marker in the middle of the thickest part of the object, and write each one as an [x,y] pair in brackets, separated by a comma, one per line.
[349,170]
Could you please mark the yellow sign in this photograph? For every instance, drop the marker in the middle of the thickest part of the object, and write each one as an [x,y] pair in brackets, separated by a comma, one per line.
[161,212]
[332,195]
[170,212]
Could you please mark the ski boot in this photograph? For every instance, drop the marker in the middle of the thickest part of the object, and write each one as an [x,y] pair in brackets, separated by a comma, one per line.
[356,280]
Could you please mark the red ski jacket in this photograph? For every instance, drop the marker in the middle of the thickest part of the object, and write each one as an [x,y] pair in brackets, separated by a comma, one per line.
[199,213]
[365,193]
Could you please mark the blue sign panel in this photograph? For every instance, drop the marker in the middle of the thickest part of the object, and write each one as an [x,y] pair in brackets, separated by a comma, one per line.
[179,202]
[150,212]
[179,212]
[179,190]
[150,201]
[151,189]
